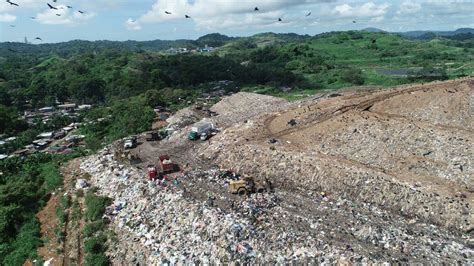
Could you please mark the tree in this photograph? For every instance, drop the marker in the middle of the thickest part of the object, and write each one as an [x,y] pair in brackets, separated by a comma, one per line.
[88,90]
[153,98]
[354,76]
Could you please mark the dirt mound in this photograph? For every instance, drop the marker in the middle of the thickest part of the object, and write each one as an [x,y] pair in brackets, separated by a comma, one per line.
[402,159]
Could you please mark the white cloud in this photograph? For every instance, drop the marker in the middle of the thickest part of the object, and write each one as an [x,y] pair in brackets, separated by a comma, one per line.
[409,7]
[132,24]
[63,16]
[7,17]
[366,10]
[223,14]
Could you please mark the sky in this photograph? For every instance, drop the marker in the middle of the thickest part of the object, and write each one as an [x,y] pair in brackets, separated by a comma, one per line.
[146,19]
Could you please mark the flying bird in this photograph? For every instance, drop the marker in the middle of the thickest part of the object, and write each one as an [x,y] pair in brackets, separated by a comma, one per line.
[13,26]
[186,16]
[32,17]
[38,38]
[51,7]
[167,12]
[309,14]
[55,1]
[256,9]
[58,15]
[279,19]
[69,6]
[82,12]
[353,21]
[11,3]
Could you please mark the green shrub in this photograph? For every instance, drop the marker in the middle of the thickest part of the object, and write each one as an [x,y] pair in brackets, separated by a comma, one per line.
[91,228]
[51,175]
[95,245]
[353,76]
[97,260]
[95,206]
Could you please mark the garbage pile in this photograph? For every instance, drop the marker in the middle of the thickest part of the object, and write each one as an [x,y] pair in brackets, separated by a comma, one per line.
[244,105]
[155,223]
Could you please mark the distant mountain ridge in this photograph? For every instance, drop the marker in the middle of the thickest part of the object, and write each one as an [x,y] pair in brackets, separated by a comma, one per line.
[212,40]
[422,33]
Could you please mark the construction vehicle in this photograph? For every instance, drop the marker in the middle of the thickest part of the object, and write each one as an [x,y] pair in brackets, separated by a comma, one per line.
[130,142]
[200,128]
[247,185]
[167,166]
[152,172]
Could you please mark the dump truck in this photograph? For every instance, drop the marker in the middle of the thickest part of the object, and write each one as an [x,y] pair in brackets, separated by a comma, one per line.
[199,129]
[130,142]
[247,185]
[167,166]
[152,136]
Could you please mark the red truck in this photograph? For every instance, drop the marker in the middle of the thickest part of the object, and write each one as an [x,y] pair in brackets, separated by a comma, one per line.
[152,172]
[167,166]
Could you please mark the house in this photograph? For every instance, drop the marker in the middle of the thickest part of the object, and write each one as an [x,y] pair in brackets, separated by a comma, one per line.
[45,110]
[3,156]
[10,139]
[84,107]
[46,135]
[67,106]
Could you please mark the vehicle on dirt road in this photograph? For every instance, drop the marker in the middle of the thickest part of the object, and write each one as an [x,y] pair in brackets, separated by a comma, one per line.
[130,143]
[152,136]
[200,128]
[152,172]
[247,185]
[167,166]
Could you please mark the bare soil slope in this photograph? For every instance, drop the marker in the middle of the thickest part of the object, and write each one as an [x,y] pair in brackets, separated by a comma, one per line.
[408,149]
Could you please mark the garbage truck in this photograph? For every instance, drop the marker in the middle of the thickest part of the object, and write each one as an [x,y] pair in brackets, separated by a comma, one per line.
[199,129]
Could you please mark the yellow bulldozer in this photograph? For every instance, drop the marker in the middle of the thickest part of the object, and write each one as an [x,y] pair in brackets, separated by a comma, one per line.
[247,185]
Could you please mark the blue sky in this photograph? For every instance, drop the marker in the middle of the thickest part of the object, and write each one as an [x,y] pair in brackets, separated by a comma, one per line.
[146,19]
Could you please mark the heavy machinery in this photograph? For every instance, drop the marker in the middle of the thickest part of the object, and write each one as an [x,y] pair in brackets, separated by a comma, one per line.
[247,185]
[152,172]
[167,166]
[152,136]
[200,128]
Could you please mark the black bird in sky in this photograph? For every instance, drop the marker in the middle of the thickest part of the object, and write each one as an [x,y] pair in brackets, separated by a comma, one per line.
[11,3]
[13,26]
[82,12]
[167,12]
[32,17]
[353,21]
[69,6]
[51,7]
[256,9]
[38,38]
[309,14]
[55,1]
[279,19]
[186,16]
[58,15]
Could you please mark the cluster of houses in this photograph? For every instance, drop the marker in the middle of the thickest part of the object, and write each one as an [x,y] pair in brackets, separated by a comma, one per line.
[45,113]
[54,142]
[60,141]
[183,50]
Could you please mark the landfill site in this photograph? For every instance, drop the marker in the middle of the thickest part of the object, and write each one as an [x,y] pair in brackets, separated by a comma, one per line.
[350,176]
